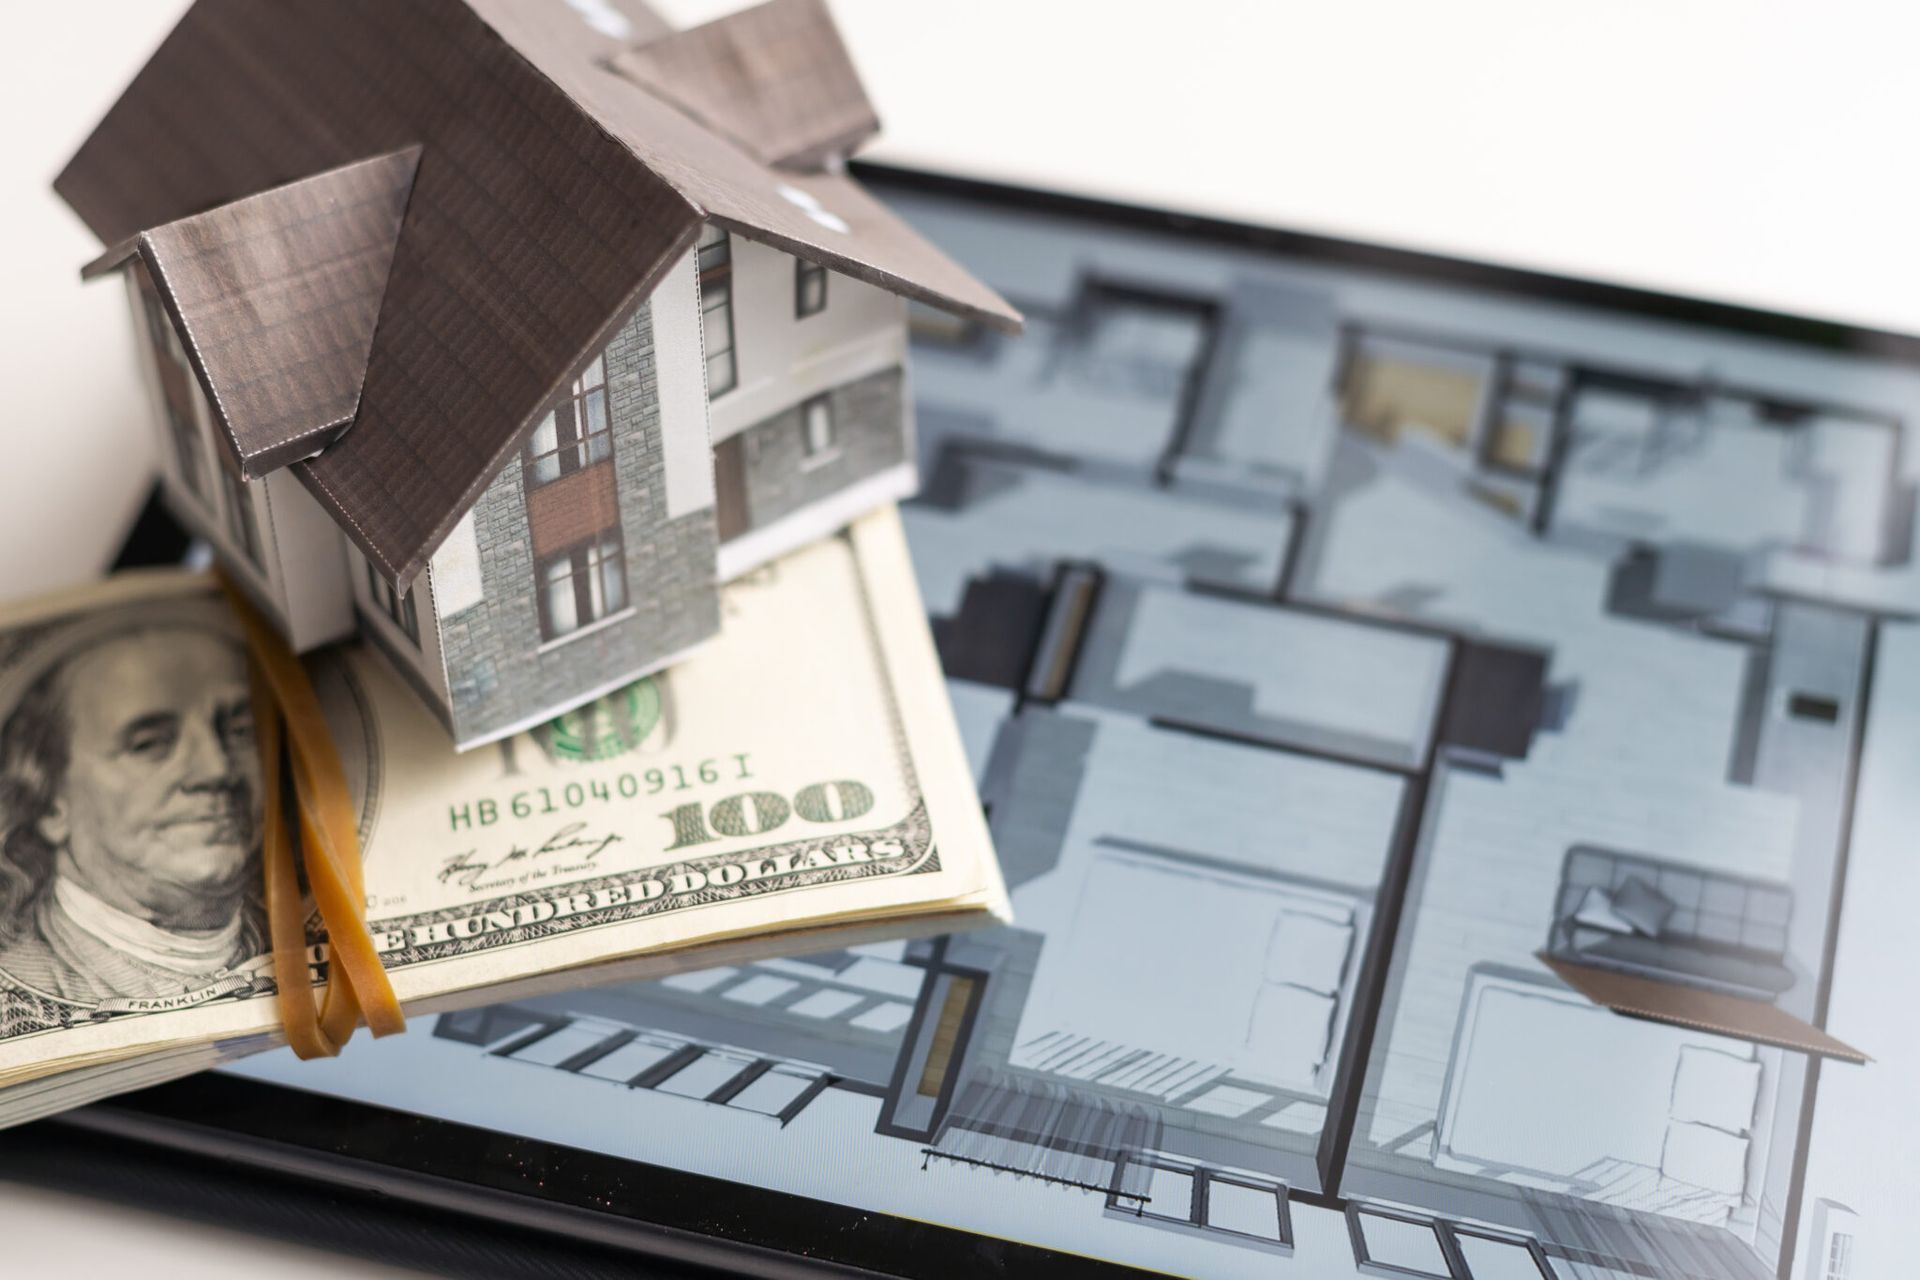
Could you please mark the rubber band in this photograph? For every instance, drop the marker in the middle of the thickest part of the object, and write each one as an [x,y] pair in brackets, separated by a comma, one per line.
[286,914]
[296,745]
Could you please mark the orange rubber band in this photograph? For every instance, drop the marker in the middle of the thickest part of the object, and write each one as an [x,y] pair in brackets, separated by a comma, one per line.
[293,738]
[286,912]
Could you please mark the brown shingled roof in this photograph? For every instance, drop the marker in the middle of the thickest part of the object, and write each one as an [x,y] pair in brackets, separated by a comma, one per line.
[551,195]
[825,218]
[277,295]
[776,79]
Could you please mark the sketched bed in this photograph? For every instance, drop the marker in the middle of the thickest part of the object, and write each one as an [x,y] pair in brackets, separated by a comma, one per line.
[1252,978]
[1546,1088]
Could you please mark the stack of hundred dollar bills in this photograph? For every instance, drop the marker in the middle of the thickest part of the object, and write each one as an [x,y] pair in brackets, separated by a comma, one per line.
[798,783]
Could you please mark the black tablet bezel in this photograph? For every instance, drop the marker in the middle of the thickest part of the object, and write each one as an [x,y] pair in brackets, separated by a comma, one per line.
[664,1213]
[649,1209]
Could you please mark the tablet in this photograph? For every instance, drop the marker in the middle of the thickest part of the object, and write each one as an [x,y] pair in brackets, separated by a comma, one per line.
[1449,733]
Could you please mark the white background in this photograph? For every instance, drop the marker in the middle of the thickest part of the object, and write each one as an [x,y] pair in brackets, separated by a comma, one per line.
[1748,151]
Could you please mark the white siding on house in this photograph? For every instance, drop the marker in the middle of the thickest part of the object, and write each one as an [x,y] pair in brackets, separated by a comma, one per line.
[457,584]
[680,374]
[309,562]
[782,358]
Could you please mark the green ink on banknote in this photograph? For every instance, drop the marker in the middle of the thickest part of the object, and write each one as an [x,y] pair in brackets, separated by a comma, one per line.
[607,727]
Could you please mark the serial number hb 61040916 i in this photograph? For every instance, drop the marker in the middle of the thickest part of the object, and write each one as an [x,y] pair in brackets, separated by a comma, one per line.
[629,784]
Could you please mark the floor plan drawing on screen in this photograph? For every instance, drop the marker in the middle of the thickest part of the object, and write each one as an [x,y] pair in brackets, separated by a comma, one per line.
[1451,753]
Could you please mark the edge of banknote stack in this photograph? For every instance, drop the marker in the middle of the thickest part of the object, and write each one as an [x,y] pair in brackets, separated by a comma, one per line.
[799,785]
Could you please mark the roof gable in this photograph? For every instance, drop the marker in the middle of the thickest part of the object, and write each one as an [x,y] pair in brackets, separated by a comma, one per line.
[578,31]
[823,217]
[529,230]
[275,297]
[776,79]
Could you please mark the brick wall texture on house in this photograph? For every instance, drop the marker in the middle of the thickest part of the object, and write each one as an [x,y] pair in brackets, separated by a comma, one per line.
[869,417]
[497,673]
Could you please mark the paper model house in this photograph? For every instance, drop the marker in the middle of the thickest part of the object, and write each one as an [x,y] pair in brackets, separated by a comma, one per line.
[503,331]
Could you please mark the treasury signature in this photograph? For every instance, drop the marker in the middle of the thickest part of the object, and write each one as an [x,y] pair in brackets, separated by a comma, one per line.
[570,848]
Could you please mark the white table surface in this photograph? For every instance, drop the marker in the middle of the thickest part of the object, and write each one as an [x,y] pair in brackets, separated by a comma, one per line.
[1709,147]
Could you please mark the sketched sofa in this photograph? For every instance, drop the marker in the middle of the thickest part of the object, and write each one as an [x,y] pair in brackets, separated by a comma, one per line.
[1671,922]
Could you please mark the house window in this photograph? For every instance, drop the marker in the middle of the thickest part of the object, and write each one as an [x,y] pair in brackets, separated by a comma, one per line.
[397,605]
[716,306]
[1840,1257]
[242,523]
[809,288]
[818,439]
[577,434]
[176,396]
[582,585]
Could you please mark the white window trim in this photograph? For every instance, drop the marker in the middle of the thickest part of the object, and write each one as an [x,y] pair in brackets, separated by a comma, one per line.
[805,269]
[598,624]
[819,457]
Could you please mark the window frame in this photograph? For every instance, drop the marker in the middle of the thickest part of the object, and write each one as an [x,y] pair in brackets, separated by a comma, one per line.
[1455,1232]
[399,606]
[812,454]
[584,448]
[808,275]
[714,260]
[1193,1218]
[1283,1220]
[1363,1255]
[1447,1235]
[242,521]
[1838,1264]
[586,560]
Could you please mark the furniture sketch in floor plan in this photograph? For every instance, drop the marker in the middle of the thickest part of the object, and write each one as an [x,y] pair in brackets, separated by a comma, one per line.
[1671,1120]
[1345,661]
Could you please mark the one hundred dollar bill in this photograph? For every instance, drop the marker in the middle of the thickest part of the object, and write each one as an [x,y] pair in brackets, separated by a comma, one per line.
[799,781]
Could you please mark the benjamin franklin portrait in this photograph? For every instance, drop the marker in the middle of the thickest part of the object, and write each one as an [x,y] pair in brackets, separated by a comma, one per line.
[130,814]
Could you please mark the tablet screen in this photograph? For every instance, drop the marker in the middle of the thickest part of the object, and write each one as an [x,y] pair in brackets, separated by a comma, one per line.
[1449,735]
